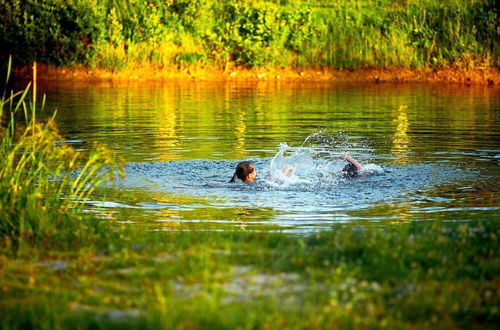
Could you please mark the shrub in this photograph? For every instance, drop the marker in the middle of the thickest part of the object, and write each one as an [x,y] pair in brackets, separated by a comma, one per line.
[52,31]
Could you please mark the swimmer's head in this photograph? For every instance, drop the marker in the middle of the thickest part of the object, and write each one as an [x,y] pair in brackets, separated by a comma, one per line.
[350,171]
[245,171]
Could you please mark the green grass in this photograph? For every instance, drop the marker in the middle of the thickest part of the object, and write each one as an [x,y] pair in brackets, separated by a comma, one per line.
[125,34]
[428,275]
[45,183]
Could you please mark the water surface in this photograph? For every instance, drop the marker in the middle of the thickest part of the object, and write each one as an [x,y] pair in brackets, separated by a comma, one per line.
[430,151]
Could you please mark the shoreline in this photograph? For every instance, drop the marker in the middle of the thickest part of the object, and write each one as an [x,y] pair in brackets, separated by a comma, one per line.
[148,73]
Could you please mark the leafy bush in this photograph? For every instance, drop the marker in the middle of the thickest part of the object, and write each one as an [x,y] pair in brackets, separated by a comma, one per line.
[53,31]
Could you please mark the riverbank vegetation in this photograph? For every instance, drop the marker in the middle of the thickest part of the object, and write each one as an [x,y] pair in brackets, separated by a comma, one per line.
[45,183]
[116,35]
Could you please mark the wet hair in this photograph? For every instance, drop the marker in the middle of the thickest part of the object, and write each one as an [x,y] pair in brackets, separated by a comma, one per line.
[350,171]
[243,169]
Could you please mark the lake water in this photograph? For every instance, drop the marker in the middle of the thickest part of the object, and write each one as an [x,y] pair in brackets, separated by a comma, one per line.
[430,152]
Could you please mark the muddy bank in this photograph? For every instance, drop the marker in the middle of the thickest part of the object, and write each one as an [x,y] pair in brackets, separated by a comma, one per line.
[480,75]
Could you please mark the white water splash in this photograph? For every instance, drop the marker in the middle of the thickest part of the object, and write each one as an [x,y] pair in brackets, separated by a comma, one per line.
[315,165]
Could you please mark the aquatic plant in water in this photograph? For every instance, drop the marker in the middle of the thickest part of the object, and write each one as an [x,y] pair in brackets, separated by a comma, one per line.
[41,197]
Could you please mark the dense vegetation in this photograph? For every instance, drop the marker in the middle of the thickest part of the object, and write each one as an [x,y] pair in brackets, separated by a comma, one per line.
[118,34]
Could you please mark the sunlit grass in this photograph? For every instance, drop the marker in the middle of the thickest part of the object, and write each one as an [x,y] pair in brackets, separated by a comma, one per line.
[45,183]
[410,275]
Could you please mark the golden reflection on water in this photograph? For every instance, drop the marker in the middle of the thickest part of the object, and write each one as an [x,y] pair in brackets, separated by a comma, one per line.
[167,133]
[240,133]
[400,139]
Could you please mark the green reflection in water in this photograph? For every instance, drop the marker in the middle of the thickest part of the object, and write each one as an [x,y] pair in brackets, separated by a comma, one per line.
[236,121]
[167,211]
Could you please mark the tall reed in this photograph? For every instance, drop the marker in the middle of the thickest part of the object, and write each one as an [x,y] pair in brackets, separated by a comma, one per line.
[44,182]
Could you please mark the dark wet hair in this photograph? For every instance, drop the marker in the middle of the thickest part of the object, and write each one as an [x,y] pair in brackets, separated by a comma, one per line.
[350,171]
[243,169]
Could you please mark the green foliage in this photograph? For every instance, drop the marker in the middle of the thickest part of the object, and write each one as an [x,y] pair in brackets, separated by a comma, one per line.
[45,183]
[53,31]
[245,32]
[260,33]
[450,30]
[188,58]
[252,33]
